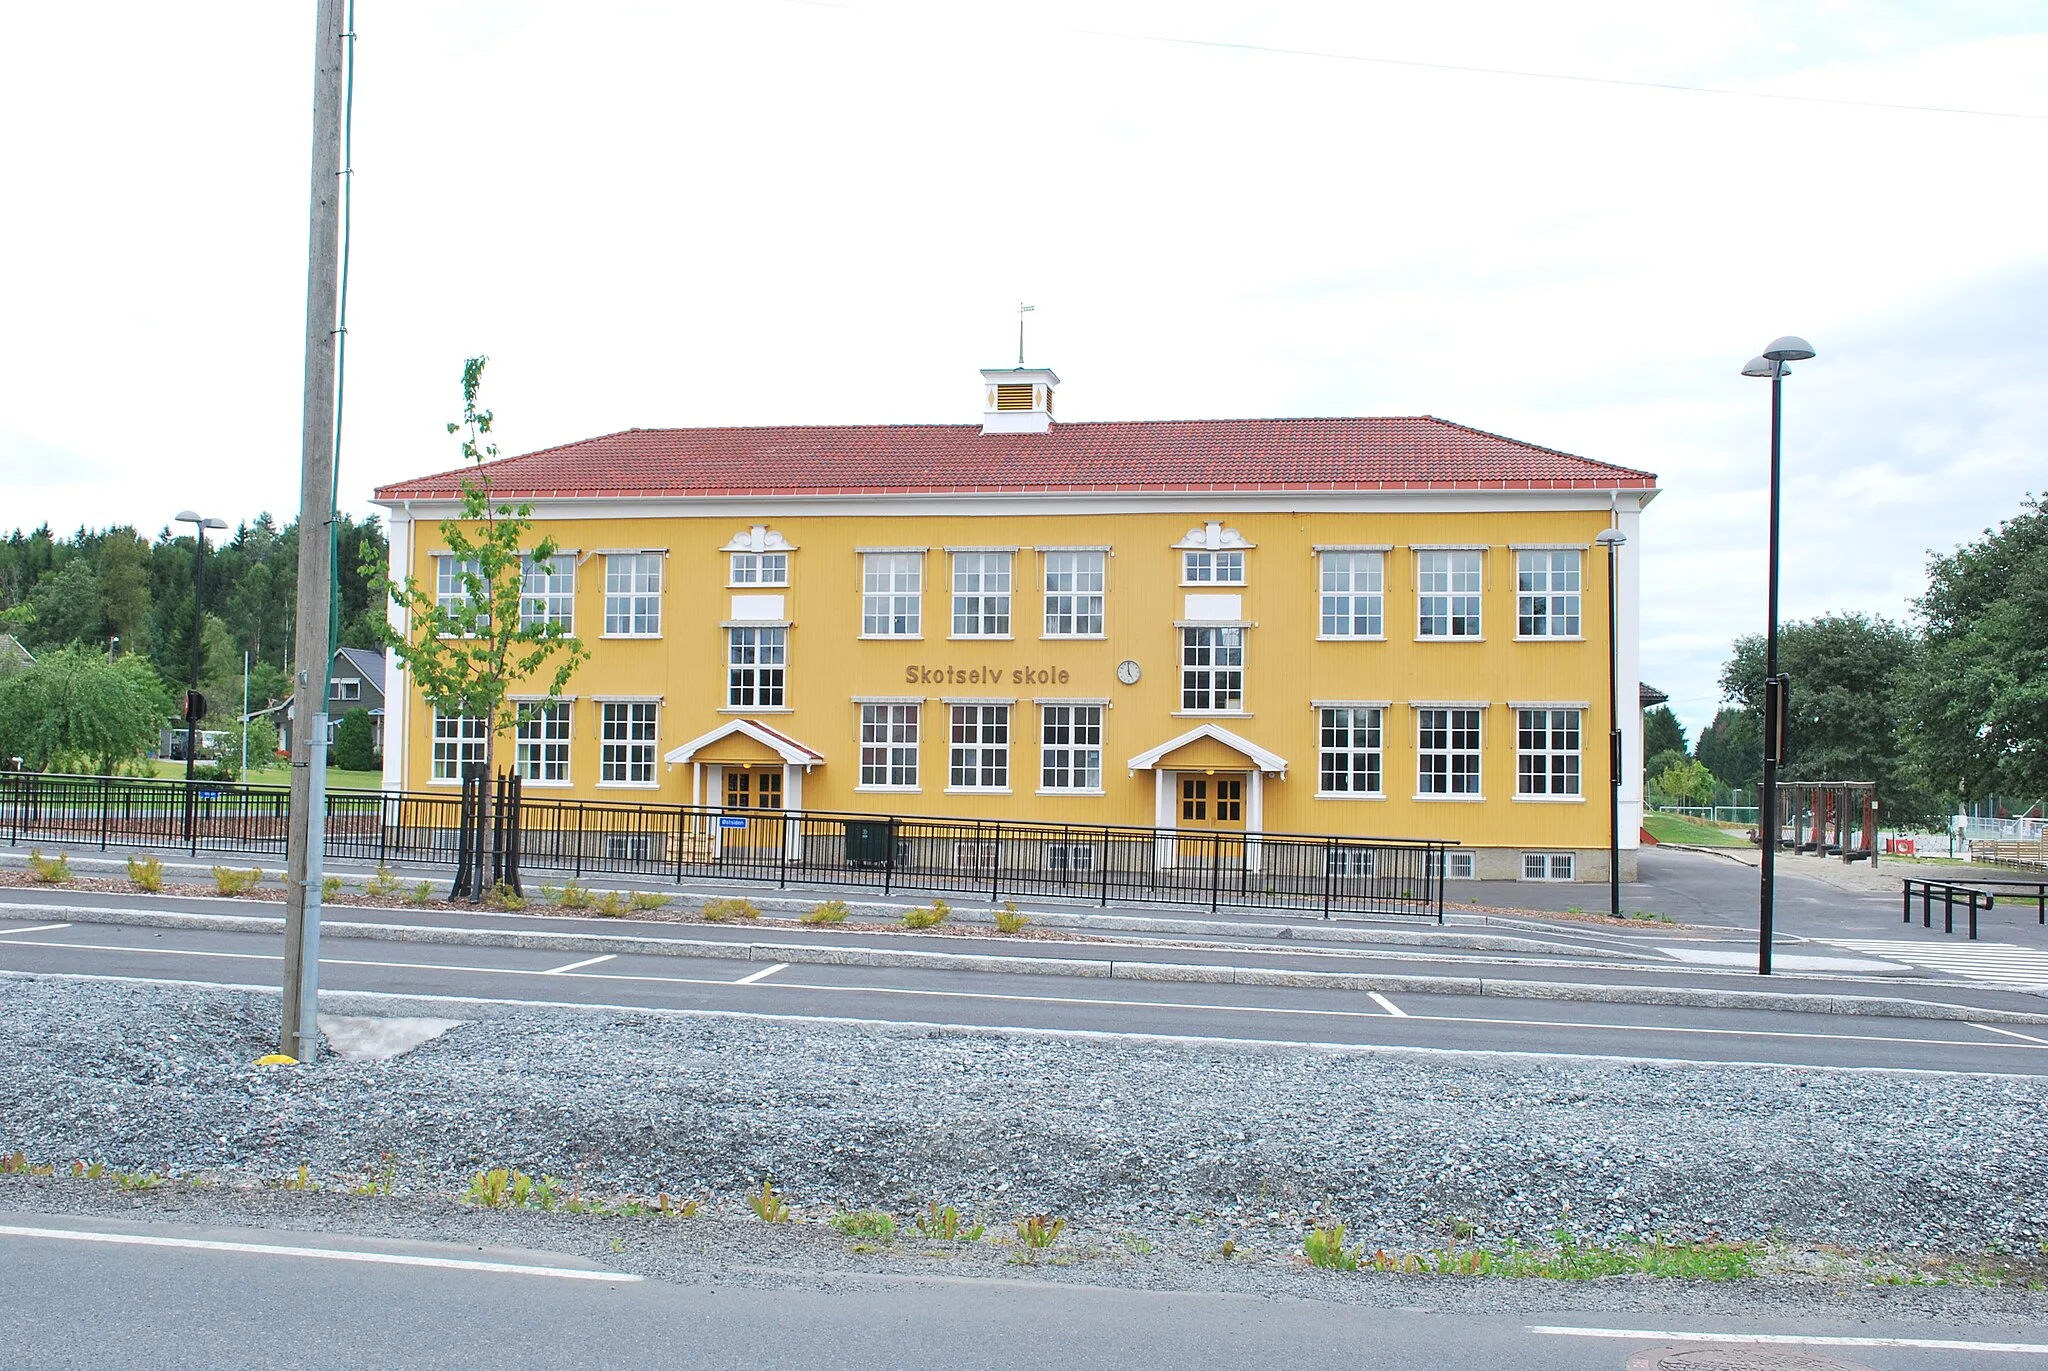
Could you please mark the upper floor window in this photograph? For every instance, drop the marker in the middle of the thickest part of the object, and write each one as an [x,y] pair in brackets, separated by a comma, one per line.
[1354,594]
[547,591]
[345,690]
[756,667]
[452,579]
[632,594]
[760,568]
[981,594]
[1212,670]
[1073,594]
[892,594]
[1447,587]
[1222,568]
[1547,593]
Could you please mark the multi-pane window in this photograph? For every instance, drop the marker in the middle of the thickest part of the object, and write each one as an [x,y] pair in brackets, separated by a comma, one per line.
[451,580]
[547,592]
[632,594]
[1212,670]
[760,568]
[458,742]
[628,736]
[1212,568]
[1354,594]
[981,594]
[1070,742]
[979,758]
[757,661]
[1447,751]
[1073,594]
[888,745]
[541,742]
[1547,593]
[1447,593]
[1547,866]
[1350,751]
[892,594]
[1547,751]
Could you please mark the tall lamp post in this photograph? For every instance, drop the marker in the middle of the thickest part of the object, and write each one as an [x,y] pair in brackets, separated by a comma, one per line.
[1772,364]
[1612,539]
[192,700]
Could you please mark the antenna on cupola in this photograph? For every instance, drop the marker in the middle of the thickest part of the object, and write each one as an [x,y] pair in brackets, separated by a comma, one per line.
[1022,310]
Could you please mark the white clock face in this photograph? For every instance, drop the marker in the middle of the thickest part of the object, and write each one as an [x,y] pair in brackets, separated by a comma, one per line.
[1127,672]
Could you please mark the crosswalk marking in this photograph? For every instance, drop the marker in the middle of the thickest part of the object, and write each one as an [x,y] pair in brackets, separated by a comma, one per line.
[1999,963]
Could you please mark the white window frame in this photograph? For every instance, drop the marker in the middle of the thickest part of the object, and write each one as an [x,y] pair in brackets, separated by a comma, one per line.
[758,569]
[549,598]
[757,667]
[1070,748]
[983,584]
[1454,724]
[1346,604]
[1549,592]
[1076,585]
[891,733]
[1201,678]
[1549,866]
[1455,865]
[541,743]
[1222,567]
[1450,590]
[345,689]
[892,595]
[629,736]
[1553,768]
[457,739]
[1060,856]
[978,737]
[1338,760]
[632,594]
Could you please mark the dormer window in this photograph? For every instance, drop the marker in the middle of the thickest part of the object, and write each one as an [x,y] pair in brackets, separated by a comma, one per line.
[1212,555]
[759,557]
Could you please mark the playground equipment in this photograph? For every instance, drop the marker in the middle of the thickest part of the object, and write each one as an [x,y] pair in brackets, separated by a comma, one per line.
[1830,819]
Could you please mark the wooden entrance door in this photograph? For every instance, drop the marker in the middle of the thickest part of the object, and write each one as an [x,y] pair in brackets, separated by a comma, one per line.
[756,796]
[1211,816]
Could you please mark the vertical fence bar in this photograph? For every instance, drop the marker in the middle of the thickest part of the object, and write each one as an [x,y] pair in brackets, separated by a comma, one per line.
[995,870]
[103,813]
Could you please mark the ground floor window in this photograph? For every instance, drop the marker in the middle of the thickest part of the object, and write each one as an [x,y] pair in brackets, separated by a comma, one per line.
[979,757]
[888,745]
[756,667]
[628,735]
[1350,752]
[541,747]
[1547,751]
[1070,740]
[1070,856]
[1548,866]
[458,742]
[1447,751]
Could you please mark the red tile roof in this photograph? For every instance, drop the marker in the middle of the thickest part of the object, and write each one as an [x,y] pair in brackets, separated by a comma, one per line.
[1420,453]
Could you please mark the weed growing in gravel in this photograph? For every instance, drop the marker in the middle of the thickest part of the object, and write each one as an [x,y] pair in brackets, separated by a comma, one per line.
[331,886]
[228,881]
[137,1180]
[420,893]
[610,905]
[383,885]
[571,896]
[1138,1244]
[1651,916]
[1324,1247]
[1009,919]
[768,1206]
[930,916]
[942,1223]
[1039,1231]
[146,874]
[302,1180]
[866,1223]
[687,1209]
[503,896]
[830,912]
[88,1171]
[726,909]
[378,1182]
[49,870]
[648,899]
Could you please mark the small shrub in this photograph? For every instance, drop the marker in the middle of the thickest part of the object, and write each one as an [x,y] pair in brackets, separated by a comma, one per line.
[573,896]
[503,896]
[941,1223]
[1009,919]
[768,1206]
[1039,1231]
[609,905]
[644,900]
[866,1223]
[382,885]
[49,870]
[1324,1247]
[332,886]
[228,881]
[146,874]
[930,916]
[830,912]
[420,893]
[725,909]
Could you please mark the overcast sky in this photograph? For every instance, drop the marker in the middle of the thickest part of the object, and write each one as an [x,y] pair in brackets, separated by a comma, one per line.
[766,211]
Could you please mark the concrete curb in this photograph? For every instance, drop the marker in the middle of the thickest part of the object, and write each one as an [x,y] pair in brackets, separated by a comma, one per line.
[1690,997]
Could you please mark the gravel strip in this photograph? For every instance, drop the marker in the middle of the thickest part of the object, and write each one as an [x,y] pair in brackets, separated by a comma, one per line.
[1113,1132]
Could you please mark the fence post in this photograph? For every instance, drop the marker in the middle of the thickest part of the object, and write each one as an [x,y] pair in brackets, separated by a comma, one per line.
[1109,855]
[889,856]
[1329,872]
[995,874]
[782,852]
[1908,899]
[103,813]
[1215,869]
[1948,903]
[579,837]
[1973,916]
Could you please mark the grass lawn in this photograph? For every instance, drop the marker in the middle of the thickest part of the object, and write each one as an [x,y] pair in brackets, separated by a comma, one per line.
[281,775]
[1678,828]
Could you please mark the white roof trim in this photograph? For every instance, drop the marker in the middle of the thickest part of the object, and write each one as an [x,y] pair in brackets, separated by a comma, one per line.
[784,746]
[1269,762]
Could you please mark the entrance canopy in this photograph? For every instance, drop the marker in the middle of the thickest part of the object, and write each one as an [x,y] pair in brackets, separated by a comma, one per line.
[1210,747]
[747,742]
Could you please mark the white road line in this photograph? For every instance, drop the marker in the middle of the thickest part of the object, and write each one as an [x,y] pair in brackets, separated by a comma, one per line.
[578,966]
[1800,1339]
[39,928]
[1384,1003]
[2023,1037]
[763,974]
[567,1273]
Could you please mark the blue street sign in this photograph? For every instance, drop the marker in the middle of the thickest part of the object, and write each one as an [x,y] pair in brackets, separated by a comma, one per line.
[731,821]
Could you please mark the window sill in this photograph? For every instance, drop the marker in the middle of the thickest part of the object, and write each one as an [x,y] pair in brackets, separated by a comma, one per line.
[888,789]
[444,780]
[1211,714]
[1073,637]
[1548,799]
[1350,795]
[1214,585]
[976,790]
[548,785]
[1056,792]
[1550,637]
[981,637]
[1352,638]
[629,785]
[1450,637]
[757,709]
[891,638]
[644,637]
[757,585]
[1451,799]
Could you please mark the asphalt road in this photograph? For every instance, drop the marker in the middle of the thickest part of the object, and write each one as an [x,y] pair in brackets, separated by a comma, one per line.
[157,1297]
[1461,1022]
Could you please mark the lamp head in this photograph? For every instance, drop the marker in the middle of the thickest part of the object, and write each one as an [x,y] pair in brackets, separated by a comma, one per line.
[213,523]
[186,516]
[1790,348]
[1759,366]
[1611,537]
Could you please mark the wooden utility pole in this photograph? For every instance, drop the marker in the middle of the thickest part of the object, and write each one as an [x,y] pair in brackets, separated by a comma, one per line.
[300,1036]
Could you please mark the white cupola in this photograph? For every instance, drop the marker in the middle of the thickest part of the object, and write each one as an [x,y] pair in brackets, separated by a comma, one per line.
[1017,399]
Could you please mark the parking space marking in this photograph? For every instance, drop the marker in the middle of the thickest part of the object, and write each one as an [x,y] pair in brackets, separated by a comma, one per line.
[1798,1339]
[39,928]
[2023,1037]
[332,1254]
[1384,1003]
[763,974]
[578,966]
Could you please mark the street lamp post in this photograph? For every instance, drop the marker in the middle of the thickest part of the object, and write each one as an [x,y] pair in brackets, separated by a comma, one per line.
[199,526]
[1612,539]
[1772,364]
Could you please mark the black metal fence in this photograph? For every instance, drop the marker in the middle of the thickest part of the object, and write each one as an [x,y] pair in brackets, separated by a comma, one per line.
[1105,864]
[1971,893]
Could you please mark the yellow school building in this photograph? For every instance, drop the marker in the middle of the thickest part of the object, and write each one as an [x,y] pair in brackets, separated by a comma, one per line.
[1384,627]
